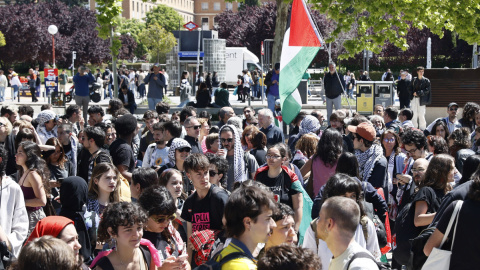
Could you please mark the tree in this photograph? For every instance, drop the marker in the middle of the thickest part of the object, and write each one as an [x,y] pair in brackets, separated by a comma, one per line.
[386,21]
[2,40]
[157,40]
[133,27]
[128,47]
[28,40]
[166,17]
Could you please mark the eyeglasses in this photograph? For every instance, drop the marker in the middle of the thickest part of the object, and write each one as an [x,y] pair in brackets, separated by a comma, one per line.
[163,218]
[392,140]
[195,127]
[229,140]
[272,157]
[418,170]
[453,109]
[184,149]
[213,173]
[411,152]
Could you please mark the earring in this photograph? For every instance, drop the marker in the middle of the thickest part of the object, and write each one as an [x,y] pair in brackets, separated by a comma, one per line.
[114,243]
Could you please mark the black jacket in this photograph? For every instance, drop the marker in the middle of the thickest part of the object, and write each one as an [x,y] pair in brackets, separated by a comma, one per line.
[402,89]
[333,85]
[423,89]
[131,98]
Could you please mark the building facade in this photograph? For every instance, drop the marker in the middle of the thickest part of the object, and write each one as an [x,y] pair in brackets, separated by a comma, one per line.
[206,10]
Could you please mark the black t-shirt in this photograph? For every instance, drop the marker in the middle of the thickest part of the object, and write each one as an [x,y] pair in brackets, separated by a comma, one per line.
[281,186]
[122,154]
[83,163]
[260,156]
[206,213]
[467,238]
[145,141]
[433,198]
[161,244]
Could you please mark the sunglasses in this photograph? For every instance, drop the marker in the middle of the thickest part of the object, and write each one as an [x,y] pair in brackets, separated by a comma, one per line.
[184,149]
[213,173]
[163,218]
[453,109]
[226,140]
[195,127]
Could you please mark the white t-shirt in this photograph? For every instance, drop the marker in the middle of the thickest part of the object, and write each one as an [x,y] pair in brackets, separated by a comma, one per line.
[341,262]
[246,81]
[155,156]
[166,77]
[3,81]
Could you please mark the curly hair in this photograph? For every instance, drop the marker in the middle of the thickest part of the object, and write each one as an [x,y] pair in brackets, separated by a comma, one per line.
[307,144]
[414,136]
[3,164]
[257,138]
[439,144]
[469,111]
[437,172]
[330,147]
[119,214]
[286,257]
[461,140]
[114,105]
[35,162]
[444,125]
[339,184]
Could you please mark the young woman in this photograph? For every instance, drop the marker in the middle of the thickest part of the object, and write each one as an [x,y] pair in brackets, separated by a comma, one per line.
[437,145]
[280,179]
[178,152]
[305,149]
[104,187]
[256,142]
[440,129]
[204,131]
[161,211]
[33,181]
[322,165]
[343,185]
[122,224]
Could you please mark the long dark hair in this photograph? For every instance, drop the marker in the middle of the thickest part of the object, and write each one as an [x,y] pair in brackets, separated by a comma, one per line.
[470,168]
[440,123]
[437,172]
[329,147]
[62,159]
[35,162]
[348,164]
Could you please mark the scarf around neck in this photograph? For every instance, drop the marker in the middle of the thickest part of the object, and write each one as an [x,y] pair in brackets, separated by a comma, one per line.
[367,160]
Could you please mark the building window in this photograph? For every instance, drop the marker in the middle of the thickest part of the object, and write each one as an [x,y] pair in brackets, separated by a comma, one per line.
[229,6]
[133,5]
[215,22]
[216,6]
[205,23]
[204,7]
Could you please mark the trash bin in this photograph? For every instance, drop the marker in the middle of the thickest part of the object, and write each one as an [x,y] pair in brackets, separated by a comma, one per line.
[365,97]
[384,94]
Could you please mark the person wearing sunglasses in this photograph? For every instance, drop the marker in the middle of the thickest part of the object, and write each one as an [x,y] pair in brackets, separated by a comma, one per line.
[193,126]
[218,170]
[160,207]
[179,150]
[47,125]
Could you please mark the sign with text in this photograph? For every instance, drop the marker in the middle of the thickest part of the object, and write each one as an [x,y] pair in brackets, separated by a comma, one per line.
[190,54]
[190,26]
[51,80]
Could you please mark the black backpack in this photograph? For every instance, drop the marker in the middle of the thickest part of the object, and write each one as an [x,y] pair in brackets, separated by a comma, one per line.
[212,264]
[380,265]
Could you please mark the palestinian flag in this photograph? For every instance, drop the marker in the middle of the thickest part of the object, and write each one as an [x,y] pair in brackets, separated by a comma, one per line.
[301,43]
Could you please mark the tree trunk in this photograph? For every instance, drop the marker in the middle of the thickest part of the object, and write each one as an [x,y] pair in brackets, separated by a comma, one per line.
[280,27]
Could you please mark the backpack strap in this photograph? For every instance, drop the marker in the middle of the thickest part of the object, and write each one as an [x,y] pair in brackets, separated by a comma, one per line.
[364,223]
[360,255]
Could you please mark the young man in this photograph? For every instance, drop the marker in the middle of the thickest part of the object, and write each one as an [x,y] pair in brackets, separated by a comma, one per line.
[192,126]
[451,120]
[402,90]
[205,207]
[336,225]
[121,149]
[82,93]
[156,82]
[14,221]
[10,112]
[241,168]
[390,116]
[94,138]
[249,114]
[248,216]
[405,116]
[420,96]
[372,163]
[95,115]
[287,257]
[172,129]
[69,143]
[156,154]
[150,117]
[284,232]
[266,121]
[74,115]
[63,79]
[334,85]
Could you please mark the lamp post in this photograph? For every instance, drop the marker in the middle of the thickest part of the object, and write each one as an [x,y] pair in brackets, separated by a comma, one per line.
[52,29]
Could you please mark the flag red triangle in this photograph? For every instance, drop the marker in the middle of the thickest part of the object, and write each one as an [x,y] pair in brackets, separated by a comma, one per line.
[302,30]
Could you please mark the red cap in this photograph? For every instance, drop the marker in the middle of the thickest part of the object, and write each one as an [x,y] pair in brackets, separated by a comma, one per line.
[365,129]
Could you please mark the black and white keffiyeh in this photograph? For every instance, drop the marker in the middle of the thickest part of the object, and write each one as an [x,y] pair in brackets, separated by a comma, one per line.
[238,160]
[176,144]
[309,124]
[367,160]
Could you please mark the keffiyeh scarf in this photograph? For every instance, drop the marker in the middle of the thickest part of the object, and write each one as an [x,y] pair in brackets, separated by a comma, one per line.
[176,144]
[238,160]
[309,124]
[367,160]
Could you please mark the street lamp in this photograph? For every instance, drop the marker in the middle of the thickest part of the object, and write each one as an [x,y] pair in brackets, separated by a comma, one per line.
[52,29]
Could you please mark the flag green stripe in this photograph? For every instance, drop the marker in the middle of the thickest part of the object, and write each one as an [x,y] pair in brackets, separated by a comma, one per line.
[290,77]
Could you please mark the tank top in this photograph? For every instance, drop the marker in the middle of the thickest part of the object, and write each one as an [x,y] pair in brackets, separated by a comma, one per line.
[28,193]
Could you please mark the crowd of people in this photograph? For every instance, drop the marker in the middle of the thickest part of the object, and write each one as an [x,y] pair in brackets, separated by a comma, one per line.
[181,191]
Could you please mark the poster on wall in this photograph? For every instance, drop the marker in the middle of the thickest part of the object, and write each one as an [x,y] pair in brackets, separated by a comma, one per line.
[51,80]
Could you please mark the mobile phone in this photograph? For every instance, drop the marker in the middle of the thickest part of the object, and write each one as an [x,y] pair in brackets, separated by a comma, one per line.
[182,258]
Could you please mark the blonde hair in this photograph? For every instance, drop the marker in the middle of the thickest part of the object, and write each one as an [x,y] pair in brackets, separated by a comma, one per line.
[8,125]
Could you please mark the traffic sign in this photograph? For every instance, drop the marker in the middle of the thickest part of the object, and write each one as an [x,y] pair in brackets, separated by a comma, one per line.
[190,54]
[191,26]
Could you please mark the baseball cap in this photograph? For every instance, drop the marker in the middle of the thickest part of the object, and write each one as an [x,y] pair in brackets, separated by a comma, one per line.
[365,129]
[156,65]
[452,104]
[277,66]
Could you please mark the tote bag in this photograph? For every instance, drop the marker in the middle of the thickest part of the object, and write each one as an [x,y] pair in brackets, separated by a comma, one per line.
[439,259]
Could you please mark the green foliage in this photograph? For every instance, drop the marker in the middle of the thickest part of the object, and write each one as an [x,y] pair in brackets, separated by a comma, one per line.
[157,40]
[388,21]
[134,27]
[2,40]
[166,17]
[108,12]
